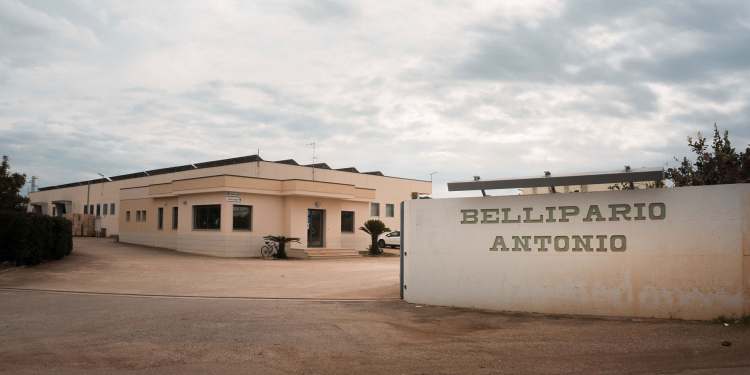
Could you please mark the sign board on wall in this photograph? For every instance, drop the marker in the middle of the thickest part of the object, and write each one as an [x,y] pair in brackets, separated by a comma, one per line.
[656,252]
[234,197]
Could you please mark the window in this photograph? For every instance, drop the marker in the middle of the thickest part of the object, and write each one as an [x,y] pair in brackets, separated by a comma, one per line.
[112,209]
[242,217]
[389,210]
[98,210]
[207,217]
[138,216]
[174,217]
[160,218]
[143,215]
[347,221]
[127,215]
[104,212]
[85,209]
[375,209]
[54,211]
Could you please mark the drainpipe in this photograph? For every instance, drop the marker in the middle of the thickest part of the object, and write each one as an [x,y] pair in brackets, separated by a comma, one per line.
[88,193]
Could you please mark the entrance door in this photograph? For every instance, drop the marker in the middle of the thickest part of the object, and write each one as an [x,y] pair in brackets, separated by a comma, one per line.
[315,227]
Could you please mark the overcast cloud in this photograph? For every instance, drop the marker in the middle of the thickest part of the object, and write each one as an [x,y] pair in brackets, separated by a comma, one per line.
[492,88]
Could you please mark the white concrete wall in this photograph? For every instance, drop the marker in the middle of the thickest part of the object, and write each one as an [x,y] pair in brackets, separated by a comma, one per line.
[692,264]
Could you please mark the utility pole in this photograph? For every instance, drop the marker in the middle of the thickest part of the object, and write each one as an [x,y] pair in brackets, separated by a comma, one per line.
[431,176]
[313,159]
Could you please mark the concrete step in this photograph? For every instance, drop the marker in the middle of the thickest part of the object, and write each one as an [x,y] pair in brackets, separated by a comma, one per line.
[323,253]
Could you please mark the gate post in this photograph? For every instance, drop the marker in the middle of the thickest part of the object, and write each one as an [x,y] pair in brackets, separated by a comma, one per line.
[401,247]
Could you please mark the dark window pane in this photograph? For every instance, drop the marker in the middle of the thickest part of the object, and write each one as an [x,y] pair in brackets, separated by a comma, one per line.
[174,217]
[241,217]
[160,218]
[207,217]
[112,209]
[347,221]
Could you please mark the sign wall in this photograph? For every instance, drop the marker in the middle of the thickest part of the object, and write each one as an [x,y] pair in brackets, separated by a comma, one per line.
[678,252]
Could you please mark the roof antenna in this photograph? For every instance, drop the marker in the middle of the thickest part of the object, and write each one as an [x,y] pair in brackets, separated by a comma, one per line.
[33,183]
[257,168]
[313,158]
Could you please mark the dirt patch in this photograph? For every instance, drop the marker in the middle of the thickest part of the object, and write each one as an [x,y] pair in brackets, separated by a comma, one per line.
[71,334]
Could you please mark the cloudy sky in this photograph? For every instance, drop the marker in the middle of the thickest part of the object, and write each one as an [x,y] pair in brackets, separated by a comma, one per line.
[495,88]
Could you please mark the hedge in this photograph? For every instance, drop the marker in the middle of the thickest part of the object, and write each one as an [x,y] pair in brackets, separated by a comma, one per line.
[29,239]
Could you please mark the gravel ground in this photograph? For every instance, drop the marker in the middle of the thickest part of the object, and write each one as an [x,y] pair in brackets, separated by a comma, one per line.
[68,333]
[299,317]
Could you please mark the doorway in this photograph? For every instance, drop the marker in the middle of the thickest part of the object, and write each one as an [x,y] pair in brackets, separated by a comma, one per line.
[315,228]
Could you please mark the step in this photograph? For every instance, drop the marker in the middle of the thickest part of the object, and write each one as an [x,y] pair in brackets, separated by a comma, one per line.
[324,253]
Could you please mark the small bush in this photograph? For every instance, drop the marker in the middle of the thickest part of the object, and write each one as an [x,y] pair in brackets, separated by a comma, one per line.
[722,319]
[29,239]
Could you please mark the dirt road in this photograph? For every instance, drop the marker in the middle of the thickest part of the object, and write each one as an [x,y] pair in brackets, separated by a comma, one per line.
[98,326]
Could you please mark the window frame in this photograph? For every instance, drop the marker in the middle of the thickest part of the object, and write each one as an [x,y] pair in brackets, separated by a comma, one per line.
[250,228]
[175,216]
[143,215]
[207,206]
[373,204]
[85,209]
[98,210]
[104,210]
[342,222]
[127,216]
[138,216]
[111,208]
[393,210]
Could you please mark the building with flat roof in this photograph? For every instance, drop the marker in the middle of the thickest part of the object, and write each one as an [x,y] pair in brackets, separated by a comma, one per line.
[226,207]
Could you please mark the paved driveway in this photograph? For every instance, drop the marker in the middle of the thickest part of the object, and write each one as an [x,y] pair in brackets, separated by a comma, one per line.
[104,266]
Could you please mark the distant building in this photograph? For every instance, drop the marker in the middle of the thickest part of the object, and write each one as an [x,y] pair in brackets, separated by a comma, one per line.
[567,189]
[226,207]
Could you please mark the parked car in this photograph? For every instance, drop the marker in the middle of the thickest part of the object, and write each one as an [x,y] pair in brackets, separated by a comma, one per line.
[392,239]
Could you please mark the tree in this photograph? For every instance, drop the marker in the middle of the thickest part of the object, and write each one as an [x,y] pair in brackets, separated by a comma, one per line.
[637,185]
[282,241]
[723,165]
[374,228]
[10,186]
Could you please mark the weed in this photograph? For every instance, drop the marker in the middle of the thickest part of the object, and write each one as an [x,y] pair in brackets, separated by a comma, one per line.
[722,319]
[744,319]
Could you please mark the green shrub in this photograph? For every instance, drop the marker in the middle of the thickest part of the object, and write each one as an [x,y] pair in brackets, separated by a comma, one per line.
[722,319]
[29,239]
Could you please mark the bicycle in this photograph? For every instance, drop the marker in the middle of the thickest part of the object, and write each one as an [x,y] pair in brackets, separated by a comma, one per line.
[269,250]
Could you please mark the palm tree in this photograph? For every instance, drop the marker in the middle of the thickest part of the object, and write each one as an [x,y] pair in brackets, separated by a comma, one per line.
[374,228]
[281,240]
